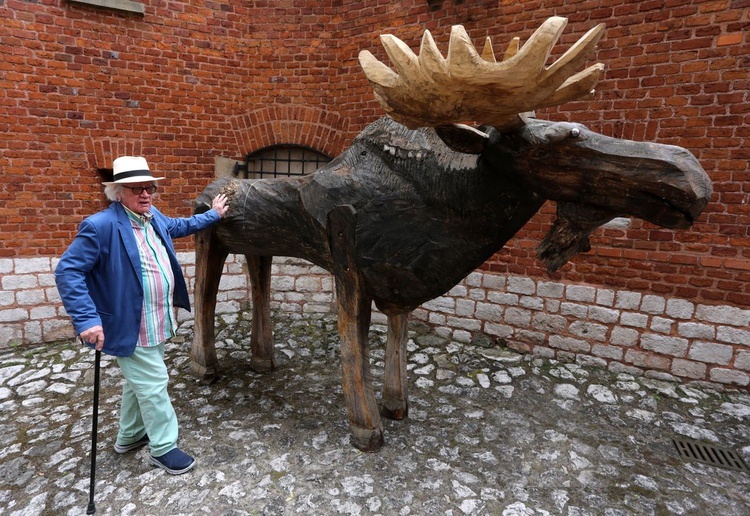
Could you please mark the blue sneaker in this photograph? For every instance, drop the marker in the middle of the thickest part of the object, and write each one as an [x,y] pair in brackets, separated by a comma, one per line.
[125,448]
[174,462]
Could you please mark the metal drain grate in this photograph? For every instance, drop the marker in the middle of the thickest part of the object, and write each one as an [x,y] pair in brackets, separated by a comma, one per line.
[711,455]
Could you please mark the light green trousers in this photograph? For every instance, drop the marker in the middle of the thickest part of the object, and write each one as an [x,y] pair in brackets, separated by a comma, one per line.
[146,407]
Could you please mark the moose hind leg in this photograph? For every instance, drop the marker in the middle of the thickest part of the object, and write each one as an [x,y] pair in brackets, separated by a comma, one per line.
[354,311]
[395,396]
[261,339]
[209,262]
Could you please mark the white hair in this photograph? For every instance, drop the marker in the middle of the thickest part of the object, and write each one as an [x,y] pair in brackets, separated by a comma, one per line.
[113,192]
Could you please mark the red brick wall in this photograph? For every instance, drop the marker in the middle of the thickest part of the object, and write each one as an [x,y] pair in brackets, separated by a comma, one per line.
[189,81]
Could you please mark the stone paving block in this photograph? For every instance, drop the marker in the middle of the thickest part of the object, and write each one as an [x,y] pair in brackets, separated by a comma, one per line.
[710,352]
[653,304]
[680,309]
[733,335]
[628,300]
[728,315]
[580,293]
[666,345]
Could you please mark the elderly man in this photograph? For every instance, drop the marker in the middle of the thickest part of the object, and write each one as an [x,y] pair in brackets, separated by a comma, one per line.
[120,281]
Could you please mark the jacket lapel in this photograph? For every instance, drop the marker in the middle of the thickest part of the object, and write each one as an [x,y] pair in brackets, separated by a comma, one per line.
[125,228]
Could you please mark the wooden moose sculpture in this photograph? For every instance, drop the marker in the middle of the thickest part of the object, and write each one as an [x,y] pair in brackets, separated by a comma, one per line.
[419,201]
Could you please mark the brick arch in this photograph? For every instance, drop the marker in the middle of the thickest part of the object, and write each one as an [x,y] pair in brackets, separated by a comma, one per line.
[101,152]
[322,130]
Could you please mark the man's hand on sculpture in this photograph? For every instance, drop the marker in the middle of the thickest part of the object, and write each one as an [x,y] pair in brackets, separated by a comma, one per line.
[220,205]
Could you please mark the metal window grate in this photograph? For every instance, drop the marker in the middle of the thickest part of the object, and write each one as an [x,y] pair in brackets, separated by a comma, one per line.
[709,454]
[107,174]
[281,161]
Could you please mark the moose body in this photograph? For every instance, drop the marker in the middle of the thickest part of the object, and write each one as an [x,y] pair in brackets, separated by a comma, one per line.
[422,224]
[400,218]
[406,212]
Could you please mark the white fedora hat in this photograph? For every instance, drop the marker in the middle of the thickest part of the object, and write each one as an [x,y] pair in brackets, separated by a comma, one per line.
[131,169]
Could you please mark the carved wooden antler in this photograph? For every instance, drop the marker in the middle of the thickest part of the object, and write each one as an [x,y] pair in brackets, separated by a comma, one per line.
[430,90]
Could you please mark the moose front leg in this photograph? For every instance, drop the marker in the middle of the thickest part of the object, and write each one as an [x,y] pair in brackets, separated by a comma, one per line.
[395,397]
[261,338]
[354,311]
[209,262]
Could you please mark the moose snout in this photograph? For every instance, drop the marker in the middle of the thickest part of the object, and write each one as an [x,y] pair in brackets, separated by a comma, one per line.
[663,184]
[563,161]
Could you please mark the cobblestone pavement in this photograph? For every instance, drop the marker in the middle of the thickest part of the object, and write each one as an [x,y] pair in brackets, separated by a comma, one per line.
[489,432]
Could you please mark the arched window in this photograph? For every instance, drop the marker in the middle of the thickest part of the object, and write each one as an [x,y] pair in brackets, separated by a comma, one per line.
[281,161]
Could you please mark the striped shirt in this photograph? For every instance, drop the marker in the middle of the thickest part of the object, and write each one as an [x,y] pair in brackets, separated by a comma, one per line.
[157,318]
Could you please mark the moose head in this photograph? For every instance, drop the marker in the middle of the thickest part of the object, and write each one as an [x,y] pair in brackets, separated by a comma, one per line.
[593,178]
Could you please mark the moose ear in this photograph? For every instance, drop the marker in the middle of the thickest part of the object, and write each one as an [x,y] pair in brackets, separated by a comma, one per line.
[462,138]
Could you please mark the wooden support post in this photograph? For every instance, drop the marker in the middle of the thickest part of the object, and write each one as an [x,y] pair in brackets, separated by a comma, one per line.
[395,387]
[354,310]
[209,262]
[261,338]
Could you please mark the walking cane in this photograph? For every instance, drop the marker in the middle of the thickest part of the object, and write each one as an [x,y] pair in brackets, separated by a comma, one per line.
[92,506]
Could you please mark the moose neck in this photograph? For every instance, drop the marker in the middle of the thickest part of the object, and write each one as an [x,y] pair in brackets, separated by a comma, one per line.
[426,215]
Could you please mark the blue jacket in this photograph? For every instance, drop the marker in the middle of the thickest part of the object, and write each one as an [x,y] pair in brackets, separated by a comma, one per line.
[99,275]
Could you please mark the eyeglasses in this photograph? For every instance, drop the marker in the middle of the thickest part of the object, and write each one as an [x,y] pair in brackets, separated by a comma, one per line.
[138,190]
